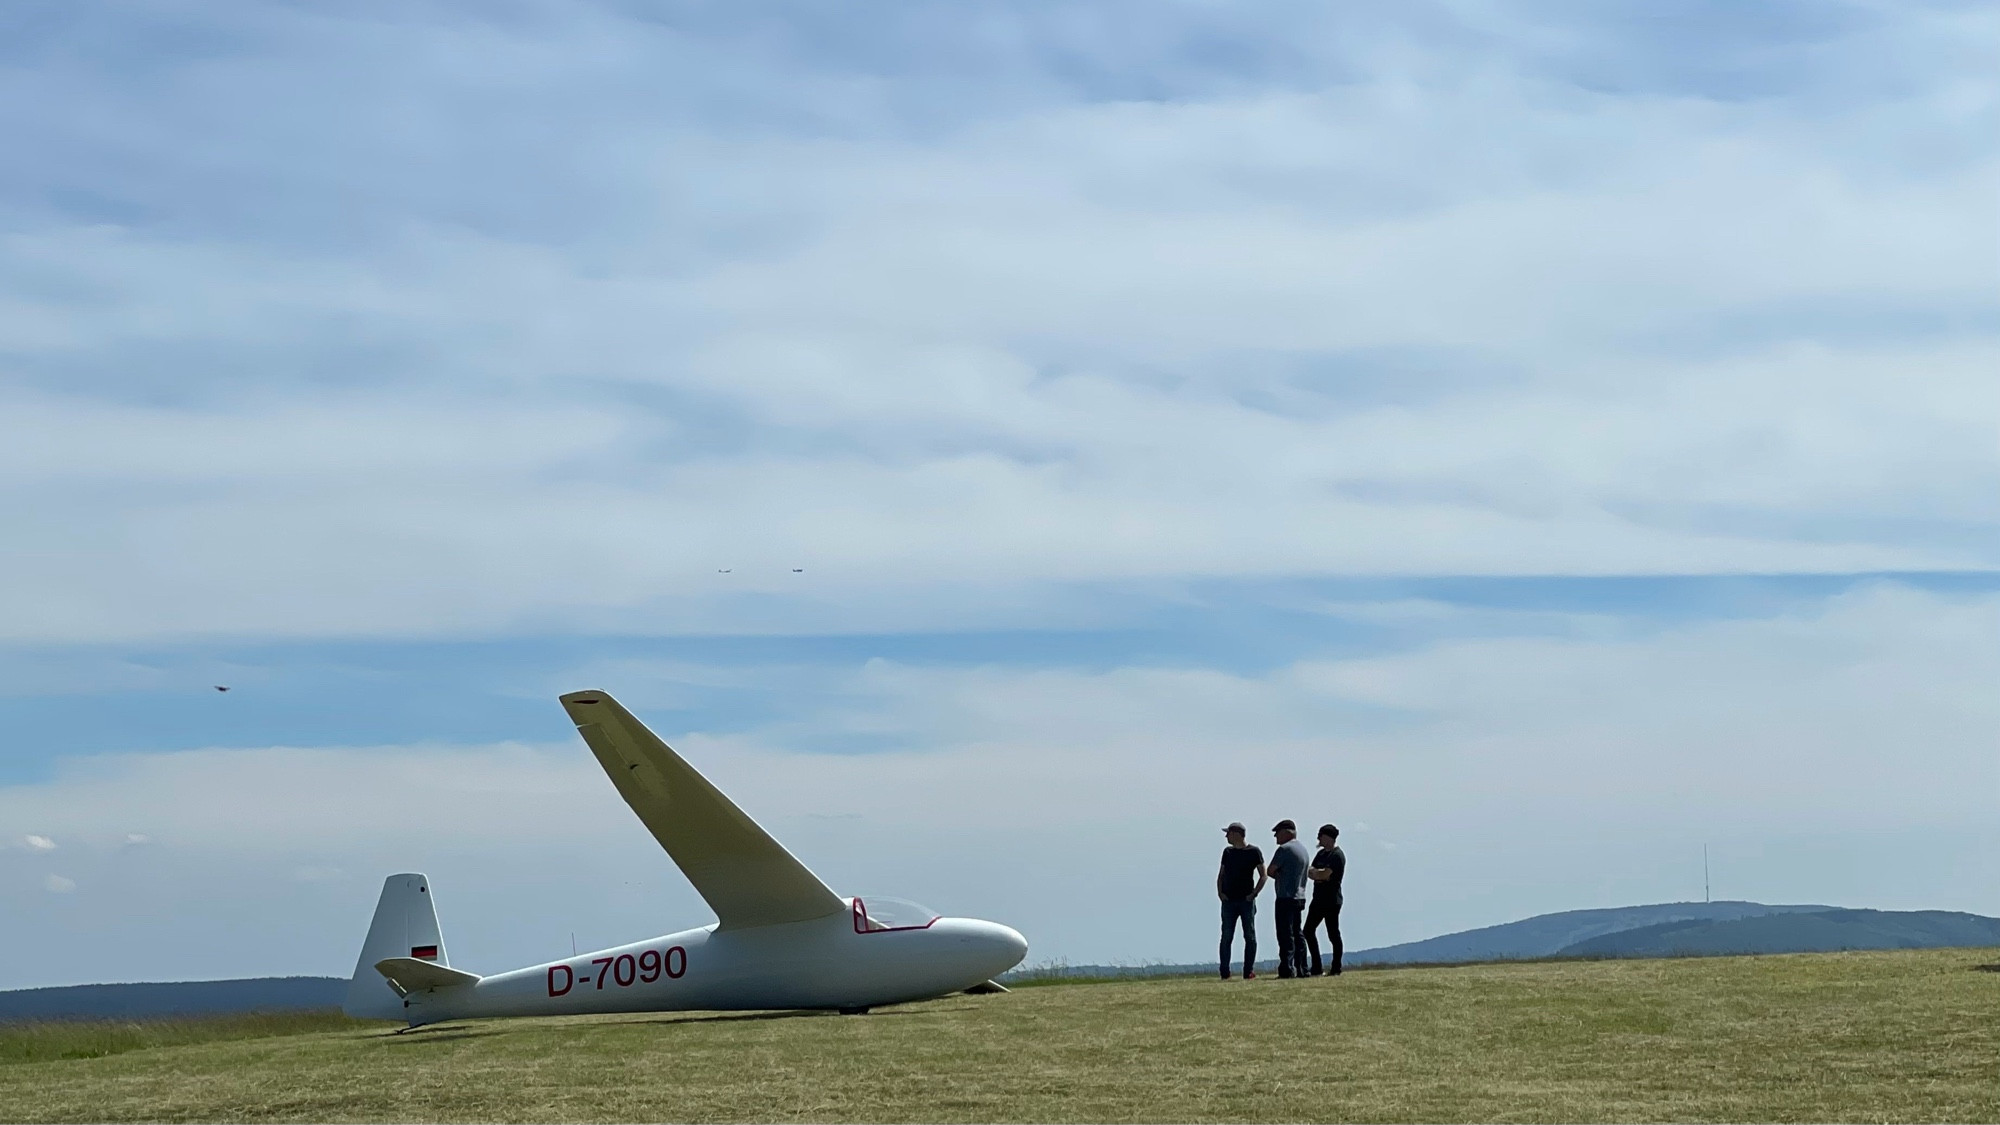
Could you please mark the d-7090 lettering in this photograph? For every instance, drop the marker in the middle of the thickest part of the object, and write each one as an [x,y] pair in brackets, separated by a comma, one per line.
[624,970]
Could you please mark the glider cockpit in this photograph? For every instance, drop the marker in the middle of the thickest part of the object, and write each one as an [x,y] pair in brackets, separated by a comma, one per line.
[874,915]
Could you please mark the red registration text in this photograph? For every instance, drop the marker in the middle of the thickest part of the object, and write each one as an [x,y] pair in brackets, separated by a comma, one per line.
[622,971]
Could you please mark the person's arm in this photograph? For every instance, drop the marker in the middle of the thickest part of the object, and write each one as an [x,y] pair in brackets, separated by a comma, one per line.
[1259,889]
[1317,874]
[1271,868]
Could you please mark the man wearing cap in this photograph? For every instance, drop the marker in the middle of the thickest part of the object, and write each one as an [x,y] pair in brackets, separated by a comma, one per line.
[1237,884]
[1289,862]
[1329,866]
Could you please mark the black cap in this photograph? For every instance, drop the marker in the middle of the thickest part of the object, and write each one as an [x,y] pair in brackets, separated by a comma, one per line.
[1284,825]
[1235,826]
[1329,830]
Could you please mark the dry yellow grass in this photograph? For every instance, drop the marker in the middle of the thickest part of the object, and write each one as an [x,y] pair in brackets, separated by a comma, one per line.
[1835,1037]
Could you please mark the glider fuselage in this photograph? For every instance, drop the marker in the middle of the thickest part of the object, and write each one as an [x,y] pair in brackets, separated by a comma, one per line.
[822,963]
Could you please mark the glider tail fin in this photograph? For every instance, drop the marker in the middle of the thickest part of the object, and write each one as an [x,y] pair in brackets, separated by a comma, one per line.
[406,927]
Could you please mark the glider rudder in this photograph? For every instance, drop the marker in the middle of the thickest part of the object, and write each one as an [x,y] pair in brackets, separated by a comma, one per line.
[405,927]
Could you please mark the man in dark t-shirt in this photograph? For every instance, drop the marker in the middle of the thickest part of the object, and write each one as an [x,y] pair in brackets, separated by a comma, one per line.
[1237,884]
[1328,868]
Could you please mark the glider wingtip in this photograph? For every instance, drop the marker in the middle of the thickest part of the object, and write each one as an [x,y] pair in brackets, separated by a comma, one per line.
[582,703]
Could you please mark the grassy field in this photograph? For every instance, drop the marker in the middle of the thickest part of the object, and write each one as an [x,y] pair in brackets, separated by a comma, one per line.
[95,1039]
[1909,1036]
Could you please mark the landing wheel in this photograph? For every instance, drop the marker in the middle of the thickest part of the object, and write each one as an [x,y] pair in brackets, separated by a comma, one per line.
[853,1011]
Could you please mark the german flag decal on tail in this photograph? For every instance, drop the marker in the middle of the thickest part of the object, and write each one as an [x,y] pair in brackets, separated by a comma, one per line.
[424,952]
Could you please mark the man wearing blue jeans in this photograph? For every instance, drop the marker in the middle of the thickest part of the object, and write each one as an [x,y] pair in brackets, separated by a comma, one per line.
[1237,884]
[1289,862]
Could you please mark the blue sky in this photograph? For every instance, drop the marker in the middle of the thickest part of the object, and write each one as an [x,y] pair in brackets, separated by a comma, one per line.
[999,443]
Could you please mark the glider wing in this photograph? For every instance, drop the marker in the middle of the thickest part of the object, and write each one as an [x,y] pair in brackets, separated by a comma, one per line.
[748,878]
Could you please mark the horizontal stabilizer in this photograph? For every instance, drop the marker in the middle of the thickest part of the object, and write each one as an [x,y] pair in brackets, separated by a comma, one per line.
[407,975]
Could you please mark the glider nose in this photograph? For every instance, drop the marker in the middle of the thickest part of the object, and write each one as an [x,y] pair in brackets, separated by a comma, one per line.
[1005,943]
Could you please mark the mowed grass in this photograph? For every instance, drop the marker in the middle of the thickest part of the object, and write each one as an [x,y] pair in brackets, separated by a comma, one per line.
[94,1039]
[1909,1036]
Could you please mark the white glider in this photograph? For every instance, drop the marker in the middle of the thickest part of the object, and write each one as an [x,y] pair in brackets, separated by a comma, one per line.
[782,939]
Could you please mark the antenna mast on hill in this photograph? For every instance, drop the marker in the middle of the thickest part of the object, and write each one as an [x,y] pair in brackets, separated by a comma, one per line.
[1704,873]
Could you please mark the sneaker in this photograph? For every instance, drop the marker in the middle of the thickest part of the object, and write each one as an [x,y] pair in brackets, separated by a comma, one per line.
[1249,974]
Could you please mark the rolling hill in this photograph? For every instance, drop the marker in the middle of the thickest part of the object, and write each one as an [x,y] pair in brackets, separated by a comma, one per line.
[1662,930]
[1550,935]
[1824,931]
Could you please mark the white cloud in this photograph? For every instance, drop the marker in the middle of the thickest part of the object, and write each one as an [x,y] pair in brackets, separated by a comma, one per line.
[1447,315]
[36,843]
[56,884]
